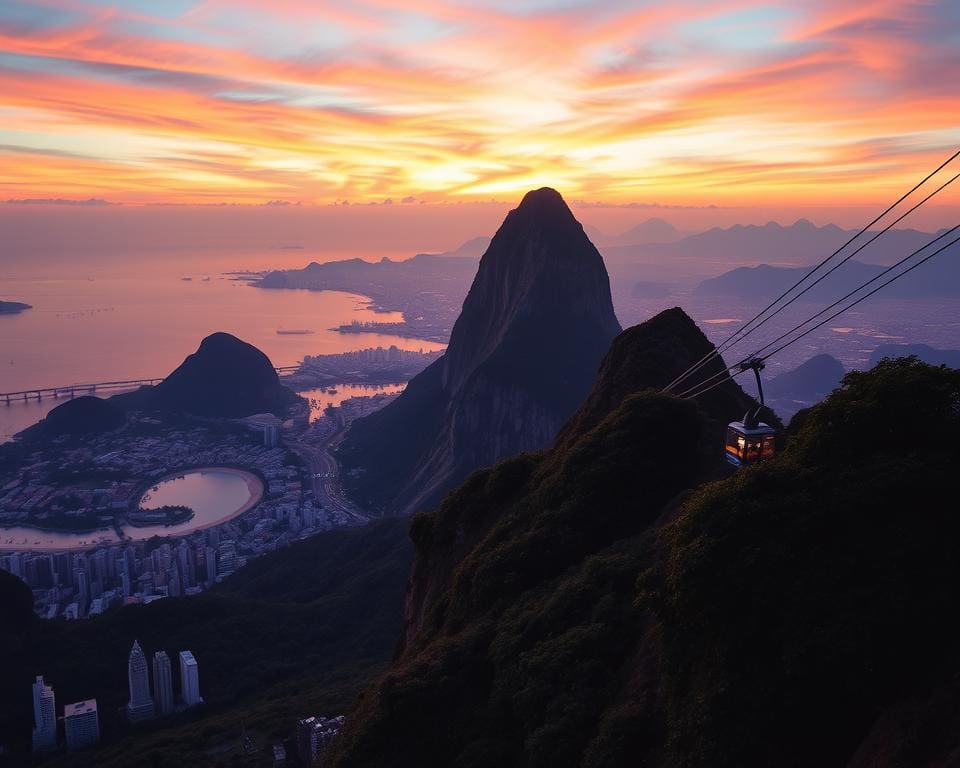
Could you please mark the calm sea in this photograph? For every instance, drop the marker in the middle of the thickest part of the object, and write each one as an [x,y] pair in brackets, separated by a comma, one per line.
[90,325]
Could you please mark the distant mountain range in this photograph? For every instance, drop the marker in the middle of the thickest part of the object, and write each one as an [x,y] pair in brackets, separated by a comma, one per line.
[798,245]
[939,277]
[523,352]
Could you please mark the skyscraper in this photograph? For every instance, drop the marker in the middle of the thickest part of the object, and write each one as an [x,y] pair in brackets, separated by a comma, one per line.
[210,557]
[140,706]
[189,679]
[44,717]
[81,725]
[162,683]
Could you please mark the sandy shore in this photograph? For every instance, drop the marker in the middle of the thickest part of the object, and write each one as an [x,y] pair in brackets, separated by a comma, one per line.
[26,539]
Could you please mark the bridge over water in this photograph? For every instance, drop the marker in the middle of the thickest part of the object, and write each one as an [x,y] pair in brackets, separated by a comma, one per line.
[72,390]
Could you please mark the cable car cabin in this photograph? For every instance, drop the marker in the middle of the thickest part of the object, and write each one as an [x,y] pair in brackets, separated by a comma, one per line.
[749,444]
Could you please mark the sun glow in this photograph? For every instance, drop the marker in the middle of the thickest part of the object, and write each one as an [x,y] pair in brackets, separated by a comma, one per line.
[696,102]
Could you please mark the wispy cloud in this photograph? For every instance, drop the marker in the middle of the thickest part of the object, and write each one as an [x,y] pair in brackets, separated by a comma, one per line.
[699,103]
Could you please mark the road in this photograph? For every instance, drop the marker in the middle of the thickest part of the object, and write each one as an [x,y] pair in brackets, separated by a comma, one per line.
[317,454]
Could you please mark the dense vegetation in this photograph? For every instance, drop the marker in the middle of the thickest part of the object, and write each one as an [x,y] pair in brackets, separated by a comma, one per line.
[579,608]
[293,633]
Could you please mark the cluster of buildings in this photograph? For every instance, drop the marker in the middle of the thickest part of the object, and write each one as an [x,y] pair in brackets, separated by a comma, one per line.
[81,722]
[77,584]
[108,471]
[314,734]
[144,705]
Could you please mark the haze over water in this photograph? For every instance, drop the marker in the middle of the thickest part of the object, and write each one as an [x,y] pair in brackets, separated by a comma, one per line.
[88,325]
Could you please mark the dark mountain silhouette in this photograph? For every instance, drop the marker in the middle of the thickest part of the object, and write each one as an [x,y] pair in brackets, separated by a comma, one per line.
[522,355]
[225,377]
[589,606]
[947,357]
[80,416]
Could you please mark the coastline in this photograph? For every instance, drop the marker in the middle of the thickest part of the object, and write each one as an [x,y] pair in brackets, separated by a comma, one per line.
[255,487]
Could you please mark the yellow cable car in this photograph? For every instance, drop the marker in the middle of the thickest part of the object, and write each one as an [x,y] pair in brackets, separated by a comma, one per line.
[750,441]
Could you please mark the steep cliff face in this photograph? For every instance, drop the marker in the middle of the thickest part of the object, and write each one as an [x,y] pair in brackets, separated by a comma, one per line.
[225,377]
[522,355]
[585,607]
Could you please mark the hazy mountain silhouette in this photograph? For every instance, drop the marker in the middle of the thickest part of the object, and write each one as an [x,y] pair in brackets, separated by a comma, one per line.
[347,274]
[801,244]
[522,355]
[225,377]
[654,230]
[471,249]
[808,383]
[939,277]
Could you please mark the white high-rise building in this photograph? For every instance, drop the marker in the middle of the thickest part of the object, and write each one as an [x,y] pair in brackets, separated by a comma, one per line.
[81,725]
[189,679]
[162,683]
[140,706]
[44,717]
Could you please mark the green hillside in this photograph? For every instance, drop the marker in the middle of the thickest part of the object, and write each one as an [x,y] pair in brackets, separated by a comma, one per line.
[581,608]
[293,633]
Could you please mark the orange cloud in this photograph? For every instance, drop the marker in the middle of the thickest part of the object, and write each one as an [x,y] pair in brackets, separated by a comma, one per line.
[733,101]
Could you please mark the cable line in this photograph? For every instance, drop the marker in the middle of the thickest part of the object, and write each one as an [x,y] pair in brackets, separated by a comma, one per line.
[923,261]
[732,339]
[858,289]
[698,389]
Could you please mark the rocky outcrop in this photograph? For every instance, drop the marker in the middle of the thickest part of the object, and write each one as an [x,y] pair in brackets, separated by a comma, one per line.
[225,377]
[522,356]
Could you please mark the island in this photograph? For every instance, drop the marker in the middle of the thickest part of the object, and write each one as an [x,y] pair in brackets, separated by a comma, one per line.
[165,515]
[13,307]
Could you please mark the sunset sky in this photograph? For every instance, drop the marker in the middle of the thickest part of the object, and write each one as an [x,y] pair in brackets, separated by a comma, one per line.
[697,103]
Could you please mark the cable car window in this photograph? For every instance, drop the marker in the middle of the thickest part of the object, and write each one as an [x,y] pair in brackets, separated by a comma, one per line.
[769,446]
